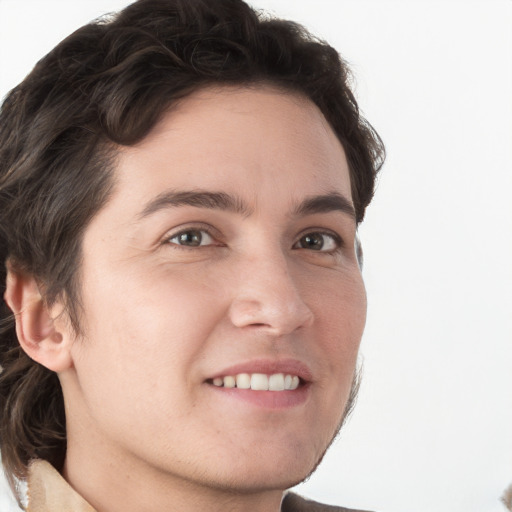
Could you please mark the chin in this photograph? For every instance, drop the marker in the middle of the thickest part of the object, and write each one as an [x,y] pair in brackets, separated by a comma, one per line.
[273,471]
[251,483]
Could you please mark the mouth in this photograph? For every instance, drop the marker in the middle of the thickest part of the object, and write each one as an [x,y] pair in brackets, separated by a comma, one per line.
[259,381]
[264,383]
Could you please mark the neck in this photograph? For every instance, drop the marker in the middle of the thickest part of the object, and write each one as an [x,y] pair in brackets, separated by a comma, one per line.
[112,480]
[114,486]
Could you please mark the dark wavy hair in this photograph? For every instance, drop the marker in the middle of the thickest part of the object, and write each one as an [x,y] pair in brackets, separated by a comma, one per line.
[106,86]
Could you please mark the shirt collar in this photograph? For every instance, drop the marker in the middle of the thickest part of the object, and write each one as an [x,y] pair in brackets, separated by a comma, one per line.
[49,492]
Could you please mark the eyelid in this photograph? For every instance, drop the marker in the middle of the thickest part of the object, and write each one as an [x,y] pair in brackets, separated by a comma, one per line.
[192,226]
[217,236]
[340,243]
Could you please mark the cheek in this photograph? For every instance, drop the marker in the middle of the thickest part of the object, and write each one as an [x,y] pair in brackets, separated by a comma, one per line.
[341,308]
[340,319]
[137,362]
[141,326]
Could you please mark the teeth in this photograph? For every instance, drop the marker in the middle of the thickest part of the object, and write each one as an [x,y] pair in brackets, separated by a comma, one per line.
[276,382]
[229,382]
[243,381]
[259,381]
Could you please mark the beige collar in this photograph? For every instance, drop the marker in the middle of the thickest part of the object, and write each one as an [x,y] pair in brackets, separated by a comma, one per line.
[49,492]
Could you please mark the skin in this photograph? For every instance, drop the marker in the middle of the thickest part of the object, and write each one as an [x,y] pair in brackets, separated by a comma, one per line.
[146,429]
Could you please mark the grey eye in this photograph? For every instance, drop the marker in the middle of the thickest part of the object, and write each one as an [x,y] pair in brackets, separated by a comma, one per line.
[318,242]
[192,238]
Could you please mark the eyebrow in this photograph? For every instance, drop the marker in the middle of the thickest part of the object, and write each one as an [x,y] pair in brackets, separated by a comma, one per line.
[325,203]
[199,199]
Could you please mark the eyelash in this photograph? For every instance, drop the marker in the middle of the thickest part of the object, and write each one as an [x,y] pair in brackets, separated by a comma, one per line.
[338,242]
[198,229]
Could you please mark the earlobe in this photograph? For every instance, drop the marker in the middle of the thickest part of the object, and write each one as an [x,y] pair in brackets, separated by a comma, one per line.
[35,326]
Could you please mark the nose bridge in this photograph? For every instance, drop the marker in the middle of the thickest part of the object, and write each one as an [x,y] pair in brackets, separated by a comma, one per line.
[267,295]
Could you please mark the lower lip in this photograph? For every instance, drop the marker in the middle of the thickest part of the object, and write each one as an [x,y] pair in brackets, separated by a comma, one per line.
[266,399]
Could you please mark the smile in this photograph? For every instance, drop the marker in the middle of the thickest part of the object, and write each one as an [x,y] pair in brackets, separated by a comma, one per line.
[259,381]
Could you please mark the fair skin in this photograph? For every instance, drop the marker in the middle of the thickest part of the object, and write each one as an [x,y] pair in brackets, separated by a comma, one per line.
[255,275]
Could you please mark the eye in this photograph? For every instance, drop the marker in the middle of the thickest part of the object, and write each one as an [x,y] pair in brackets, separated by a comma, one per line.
[192,238]
[321,242]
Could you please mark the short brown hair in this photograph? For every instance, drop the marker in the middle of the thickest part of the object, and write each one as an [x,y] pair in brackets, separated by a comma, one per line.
[105,86]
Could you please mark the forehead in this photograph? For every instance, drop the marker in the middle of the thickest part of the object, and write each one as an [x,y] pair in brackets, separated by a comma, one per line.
[249,141]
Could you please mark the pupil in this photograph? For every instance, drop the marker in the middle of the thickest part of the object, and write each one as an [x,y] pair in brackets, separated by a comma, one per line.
[314,241]
[191,238]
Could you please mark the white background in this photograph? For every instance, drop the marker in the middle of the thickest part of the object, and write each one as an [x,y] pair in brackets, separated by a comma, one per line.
[433,427]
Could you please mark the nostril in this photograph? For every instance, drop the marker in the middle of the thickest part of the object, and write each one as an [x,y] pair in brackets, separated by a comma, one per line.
[277,313]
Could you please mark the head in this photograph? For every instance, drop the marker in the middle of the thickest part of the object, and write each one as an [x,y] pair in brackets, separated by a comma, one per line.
[165,81]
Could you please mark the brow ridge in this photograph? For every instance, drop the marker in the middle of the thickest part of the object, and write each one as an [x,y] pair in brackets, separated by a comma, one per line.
[199,199]
[324,203]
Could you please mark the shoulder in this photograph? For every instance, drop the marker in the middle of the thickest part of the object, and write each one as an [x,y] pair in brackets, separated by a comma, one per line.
[294,503]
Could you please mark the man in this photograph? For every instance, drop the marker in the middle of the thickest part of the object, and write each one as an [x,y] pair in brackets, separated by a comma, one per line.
[180,192]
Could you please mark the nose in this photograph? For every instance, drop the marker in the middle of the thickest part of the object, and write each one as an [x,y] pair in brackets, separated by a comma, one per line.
[267,297]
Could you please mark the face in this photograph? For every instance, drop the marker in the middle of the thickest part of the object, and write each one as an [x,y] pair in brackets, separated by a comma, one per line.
[222,266]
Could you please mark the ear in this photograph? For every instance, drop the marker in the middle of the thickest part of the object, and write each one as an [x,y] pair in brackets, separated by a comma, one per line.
[36,327]
[359,251]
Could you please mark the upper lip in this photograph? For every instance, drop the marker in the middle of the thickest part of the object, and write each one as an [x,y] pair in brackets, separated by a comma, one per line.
[269,367]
